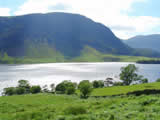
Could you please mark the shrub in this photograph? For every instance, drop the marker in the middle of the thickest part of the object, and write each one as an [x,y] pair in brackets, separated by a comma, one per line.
[52,86]
[25,85]
[144,92]
[85,88]
[145,80]
[70,90]
[9,91]
[35,89]
[45,89]
[60,88]
[66,87]
[98,84]
[158,80]
[20,90]
[75,110]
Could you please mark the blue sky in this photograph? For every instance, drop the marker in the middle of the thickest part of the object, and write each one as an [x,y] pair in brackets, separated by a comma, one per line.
[126,18]
[149,8]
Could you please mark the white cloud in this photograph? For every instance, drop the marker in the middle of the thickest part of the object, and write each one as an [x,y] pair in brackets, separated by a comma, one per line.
[112,13]
[4,12]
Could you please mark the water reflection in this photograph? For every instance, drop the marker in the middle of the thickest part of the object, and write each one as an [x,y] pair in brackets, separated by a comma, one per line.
[56,72]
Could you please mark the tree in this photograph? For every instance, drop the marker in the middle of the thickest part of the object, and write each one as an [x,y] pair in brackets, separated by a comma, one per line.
[52,86]
[24,84]
[145,80]
[45,89]
[20,90]
[158,80]
[85,88]
[9,91]
[98,84]
[61,88]
[70,90]
[128,74]
[35,89]
[66,87]
[95,84]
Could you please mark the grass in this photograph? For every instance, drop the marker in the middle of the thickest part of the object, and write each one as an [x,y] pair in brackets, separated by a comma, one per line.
[63,107]
[86,58]
[117,90]
[110,58]
[52,107]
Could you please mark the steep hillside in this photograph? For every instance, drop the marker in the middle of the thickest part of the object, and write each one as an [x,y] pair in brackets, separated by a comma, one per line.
[59,36]
[149,41]
[64,32]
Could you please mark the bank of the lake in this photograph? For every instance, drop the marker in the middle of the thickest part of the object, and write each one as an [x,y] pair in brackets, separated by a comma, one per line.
[64,107]
[42,74]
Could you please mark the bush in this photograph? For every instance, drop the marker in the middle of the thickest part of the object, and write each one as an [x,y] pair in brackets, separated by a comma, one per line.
[75,110]
[70,90]
[20,90]
[85,88]
[145,80]
[60,88]
[35,89]
[45,89]
[52,86]
[9,91]
[144,92]
[66,87]
[98,84]
[158,80]
[25,85]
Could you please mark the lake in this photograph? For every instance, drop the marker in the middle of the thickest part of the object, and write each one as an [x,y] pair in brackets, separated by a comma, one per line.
[42,74]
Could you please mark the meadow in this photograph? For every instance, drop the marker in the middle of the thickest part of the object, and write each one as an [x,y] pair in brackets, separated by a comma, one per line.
[63,107]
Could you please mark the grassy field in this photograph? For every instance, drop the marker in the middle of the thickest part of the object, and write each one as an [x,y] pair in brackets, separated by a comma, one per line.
[117,90]
[88,58]
[52,107]
[63,107]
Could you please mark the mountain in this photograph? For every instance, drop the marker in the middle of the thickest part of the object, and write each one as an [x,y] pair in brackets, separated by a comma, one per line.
[64,32]
[58,35]
[148,41]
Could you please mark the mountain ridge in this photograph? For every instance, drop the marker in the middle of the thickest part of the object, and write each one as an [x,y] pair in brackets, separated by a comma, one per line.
[62,34]
[145,41]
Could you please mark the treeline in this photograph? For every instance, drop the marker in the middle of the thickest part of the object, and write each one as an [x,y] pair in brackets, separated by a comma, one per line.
[148,61]
[128,76]
[66,87]
[5,59]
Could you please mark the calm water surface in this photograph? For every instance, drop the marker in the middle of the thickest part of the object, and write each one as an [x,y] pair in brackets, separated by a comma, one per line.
[41,74]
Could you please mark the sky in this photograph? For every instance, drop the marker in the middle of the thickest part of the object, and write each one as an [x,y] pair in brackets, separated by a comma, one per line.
[126,18]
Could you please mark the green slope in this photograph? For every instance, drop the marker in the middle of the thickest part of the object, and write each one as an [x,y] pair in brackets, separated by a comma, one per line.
[46,54]
[117,90]
[63,107]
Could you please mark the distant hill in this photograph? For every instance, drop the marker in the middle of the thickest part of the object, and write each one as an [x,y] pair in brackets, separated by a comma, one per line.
[58,35]
[148,41]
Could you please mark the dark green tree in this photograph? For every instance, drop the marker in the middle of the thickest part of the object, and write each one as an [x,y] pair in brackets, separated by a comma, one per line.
[85,88]
[35,89]
[145,80]
[158,80]
[9,91]
[98,84]
[129,74]
[20,90]
[66,87]
[24,84]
